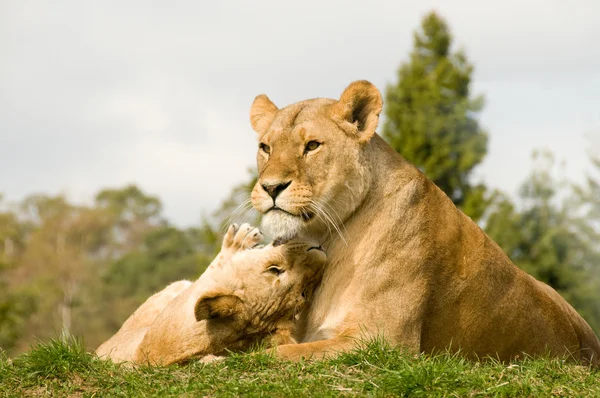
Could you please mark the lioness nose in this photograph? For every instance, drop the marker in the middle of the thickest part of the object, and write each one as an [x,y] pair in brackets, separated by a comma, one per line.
[275,189]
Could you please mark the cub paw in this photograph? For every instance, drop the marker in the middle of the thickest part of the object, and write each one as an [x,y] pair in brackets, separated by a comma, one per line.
[241,237]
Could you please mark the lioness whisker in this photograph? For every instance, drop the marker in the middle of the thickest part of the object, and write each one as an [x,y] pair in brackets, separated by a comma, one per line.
[239,208]
[243,207]
[314,206]
[332,211]
[250,216]
[334,223]
[328,218]
[338,230]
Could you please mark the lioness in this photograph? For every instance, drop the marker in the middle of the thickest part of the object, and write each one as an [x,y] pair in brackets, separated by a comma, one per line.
[404,262]
[248,294]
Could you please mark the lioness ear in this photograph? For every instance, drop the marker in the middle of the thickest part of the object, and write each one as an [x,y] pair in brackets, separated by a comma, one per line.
[217,305]
[358,109]
[262,113]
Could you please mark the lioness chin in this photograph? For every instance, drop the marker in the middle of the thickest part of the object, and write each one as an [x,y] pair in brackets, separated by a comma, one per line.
[248,295]
[404,262]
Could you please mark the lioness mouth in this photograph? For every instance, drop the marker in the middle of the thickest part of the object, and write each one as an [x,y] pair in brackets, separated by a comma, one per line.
[275,208]
[306,216]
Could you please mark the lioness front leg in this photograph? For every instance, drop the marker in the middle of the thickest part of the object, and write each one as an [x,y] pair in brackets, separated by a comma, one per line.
[237,238]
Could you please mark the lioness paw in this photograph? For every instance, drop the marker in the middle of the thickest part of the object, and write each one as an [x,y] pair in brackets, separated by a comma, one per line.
[211,359]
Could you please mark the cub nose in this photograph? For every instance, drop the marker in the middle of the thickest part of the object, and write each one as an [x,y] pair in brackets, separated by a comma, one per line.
[275,189]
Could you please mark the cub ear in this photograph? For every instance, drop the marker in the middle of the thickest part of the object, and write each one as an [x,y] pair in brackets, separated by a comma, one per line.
[262,113]
[358,109]
[217,305]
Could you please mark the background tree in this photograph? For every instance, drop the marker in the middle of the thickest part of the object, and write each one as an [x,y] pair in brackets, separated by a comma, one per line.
[16,305]
[547,235]
[147,254]
[237,207]
[132,214]
[589,195]
[167,254]
[63,249]
[431,118]
[84,269]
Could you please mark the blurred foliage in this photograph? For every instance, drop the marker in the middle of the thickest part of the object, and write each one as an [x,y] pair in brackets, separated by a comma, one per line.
[431,117]
[16,303]
[549,232]
[84,269]
[70,269]
[167,254]
[237,206]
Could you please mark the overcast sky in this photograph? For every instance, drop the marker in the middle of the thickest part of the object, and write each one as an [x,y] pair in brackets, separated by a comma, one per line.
[101,94]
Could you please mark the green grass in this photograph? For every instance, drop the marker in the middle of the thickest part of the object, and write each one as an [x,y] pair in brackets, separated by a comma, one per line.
[63,368]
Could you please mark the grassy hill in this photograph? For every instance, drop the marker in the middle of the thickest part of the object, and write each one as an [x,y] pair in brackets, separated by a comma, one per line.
[64,368]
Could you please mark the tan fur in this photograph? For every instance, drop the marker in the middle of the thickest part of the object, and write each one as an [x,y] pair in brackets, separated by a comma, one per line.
[238,301]
[122,346]
[404,262]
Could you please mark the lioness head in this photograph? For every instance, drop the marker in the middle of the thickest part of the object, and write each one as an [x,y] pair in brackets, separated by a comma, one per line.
[311,159]
[261,288]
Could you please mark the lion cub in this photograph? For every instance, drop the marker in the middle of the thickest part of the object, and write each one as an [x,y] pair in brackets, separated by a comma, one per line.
[248,294]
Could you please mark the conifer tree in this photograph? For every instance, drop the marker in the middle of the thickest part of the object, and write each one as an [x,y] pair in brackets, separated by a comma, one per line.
[431,117]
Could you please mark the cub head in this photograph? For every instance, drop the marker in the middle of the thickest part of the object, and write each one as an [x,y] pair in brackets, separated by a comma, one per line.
[311,159]
[262,288]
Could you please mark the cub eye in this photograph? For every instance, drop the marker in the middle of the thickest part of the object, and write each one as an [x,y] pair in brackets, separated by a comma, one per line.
[265,148]
[311,146]
[275,270]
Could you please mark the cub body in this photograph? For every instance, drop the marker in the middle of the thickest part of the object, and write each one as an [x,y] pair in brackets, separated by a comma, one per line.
[247,295]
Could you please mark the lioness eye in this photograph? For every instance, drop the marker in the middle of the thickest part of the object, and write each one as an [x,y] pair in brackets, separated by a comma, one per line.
[266,149]
[275,270]
[312,145]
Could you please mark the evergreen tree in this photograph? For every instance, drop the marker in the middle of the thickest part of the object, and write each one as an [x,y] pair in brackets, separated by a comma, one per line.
[431,117]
